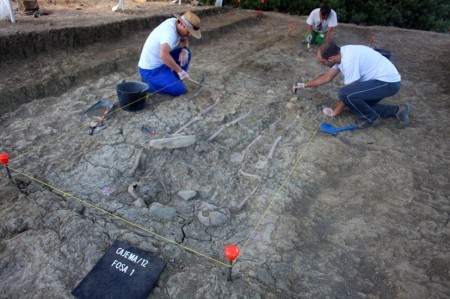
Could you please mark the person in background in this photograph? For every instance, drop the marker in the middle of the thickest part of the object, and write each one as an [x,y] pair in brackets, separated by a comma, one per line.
[165,57]
[369,77]
[321,22]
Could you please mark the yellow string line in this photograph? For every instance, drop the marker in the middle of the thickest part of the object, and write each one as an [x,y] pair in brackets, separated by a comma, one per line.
[65,194]
[278,192]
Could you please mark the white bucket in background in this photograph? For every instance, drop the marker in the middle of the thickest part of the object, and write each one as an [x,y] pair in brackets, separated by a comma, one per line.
[219,3]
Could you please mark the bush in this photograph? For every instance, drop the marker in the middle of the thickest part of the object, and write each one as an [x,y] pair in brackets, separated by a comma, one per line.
[431,15]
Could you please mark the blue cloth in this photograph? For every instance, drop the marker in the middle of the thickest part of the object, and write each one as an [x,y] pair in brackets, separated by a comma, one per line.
[362,99]
[163,79]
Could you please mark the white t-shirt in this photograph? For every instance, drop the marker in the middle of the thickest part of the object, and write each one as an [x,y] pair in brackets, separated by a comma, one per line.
[165,33]
[361,63]
[314,20]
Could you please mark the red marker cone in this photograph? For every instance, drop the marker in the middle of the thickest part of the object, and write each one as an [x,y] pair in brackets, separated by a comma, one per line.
[4,159]
[372,39]
[231,253]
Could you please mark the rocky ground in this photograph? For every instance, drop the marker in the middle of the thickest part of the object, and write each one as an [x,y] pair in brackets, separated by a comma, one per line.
[364,214]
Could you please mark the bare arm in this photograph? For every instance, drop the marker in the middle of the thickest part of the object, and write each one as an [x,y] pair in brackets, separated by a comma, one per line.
[323,79]
[338,109]
[330,30]
[168,59]
[310,29]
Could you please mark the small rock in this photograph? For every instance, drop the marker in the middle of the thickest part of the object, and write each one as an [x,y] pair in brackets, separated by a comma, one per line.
[214,217]
[187,194]
[162,212]
[140,203]
[237,157]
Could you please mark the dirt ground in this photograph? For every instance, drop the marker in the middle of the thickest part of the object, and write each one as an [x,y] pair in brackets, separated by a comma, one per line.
[364,214]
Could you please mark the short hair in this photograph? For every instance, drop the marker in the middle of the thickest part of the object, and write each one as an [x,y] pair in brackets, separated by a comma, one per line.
[329,49]
[325,10]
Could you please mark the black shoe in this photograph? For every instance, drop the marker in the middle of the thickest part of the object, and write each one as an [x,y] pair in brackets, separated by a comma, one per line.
[403,116]
[361,124]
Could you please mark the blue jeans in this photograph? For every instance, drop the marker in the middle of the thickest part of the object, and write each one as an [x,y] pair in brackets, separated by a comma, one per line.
[362,99]
[163,79]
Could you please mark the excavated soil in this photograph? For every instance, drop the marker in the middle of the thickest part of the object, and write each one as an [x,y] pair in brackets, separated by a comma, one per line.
[364,214]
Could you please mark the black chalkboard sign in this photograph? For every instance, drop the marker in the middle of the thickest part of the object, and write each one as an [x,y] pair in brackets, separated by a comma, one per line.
[122,272]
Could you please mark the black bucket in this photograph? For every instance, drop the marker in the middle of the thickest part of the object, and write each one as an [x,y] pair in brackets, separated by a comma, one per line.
[132,95]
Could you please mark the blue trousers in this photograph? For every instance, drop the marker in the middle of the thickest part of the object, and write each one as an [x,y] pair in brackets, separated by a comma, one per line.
[362,99]
[163,79]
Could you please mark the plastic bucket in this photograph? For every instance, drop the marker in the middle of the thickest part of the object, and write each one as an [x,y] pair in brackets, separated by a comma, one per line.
[383,52]
[132,95]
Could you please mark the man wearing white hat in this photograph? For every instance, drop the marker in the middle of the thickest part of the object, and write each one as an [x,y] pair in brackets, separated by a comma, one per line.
[165,56]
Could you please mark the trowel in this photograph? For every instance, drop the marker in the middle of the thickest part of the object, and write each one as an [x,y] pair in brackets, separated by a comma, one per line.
[330,129]
[93,124]
[295,97]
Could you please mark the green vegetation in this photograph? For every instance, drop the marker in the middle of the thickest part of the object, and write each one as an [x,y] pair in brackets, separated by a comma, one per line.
[430,15]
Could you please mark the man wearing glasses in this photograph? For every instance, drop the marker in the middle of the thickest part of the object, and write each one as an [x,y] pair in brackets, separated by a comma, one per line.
[321,22]
[165,56]
[369,77]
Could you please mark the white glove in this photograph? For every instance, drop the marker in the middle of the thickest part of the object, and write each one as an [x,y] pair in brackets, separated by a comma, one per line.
[328,111]
[183,58]
[298,86]
[183,75]
[309,38]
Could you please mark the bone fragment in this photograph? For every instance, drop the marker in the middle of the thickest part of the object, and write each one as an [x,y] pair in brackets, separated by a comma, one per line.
[213,136]
[131,190]
[249,174]
[272,149]
[253,142]
[132,171]
[240,206]
[173,142]
[209,108]
[193,120]
[197,117]
[235,121]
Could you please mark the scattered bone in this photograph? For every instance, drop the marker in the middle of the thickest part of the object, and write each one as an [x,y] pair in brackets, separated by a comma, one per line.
[131,190]
[253,142]
[213,136]
[249,175]
[275,122]
[197,117]
[272,149]
[173,142]
[136,163]
[193,120]
[240,206]
[239,157]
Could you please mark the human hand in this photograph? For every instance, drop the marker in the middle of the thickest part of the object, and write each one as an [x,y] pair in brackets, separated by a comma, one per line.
[298,86]
[309,38]
[183,58]
[328,111]
[183,75]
